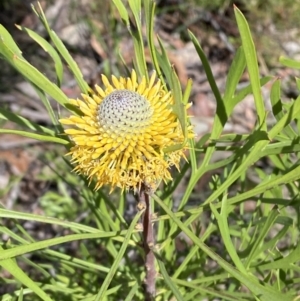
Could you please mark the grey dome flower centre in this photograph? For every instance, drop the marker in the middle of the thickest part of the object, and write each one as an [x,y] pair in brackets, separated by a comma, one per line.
[124,111]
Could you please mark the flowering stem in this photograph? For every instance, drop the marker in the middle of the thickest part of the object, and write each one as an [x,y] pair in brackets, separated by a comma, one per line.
[148,243]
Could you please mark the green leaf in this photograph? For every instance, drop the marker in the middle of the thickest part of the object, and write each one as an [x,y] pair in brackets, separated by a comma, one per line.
[21,295]
[224,229]
[207,291]
[118,258]
[220,118]
[132,292]
[297,82]
[138,41]
[136,7]
[276,100]
[7,49]
[21,121]
[48,107]
[285,262]
[48,48]
[252,65]
[262,234]
[289,62]
[180,102]
[292,112]
[277,108]
[12,267]
[265,293]
[63,52]
[35,246]
[35,136]
[6,38]
[246,91]
[179,109]
[164,62]
[272,243]
[149,16]
[167,279]
[290,176]
[122,11]
[5,213]
[235,73]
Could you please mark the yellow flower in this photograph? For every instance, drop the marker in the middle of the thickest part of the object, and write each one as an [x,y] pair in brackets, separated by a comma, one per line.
[122,133]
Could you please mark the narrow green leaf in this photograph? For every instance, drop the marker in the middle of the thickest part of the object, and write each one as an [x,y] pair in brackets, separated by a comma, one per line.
[81,263]
[285,262]
[164,62]
[261,236]
[193,251]
[292,113]
[178,108]
[219,120]
[168,280]
[276,100]
[132,292]
[291,176]
[71,62]
[122,11]
[6,38]
[117,260]
[224,229]
[235,73]
[48,107]
[35,136]
[289,62]
[21,121]
[139,58]
[252,65]
[136,7]
[11,266]
[297,82]
[48,48]
[31,73]
[5,213]
[272,243]
[35,246]
[58,65]
[180,101]
[247,90]
[149,16]
[277,108]
[221,111]
[265,293]
[253,150]
[21,295]
[138,41]
[64,52]
[224,295]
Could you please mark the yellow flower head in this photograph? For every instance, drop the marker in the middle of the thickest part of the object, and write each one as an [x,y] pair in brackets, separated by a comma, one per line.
[123,131]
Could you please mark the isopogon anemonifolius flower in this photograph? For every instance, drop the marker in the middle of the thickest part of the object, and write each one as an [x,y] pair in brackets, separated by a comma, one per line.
[120,137]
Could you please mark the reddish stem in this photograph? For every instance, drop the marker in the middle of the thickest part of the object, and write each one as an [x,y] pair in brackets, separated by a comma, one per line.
[148,243]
